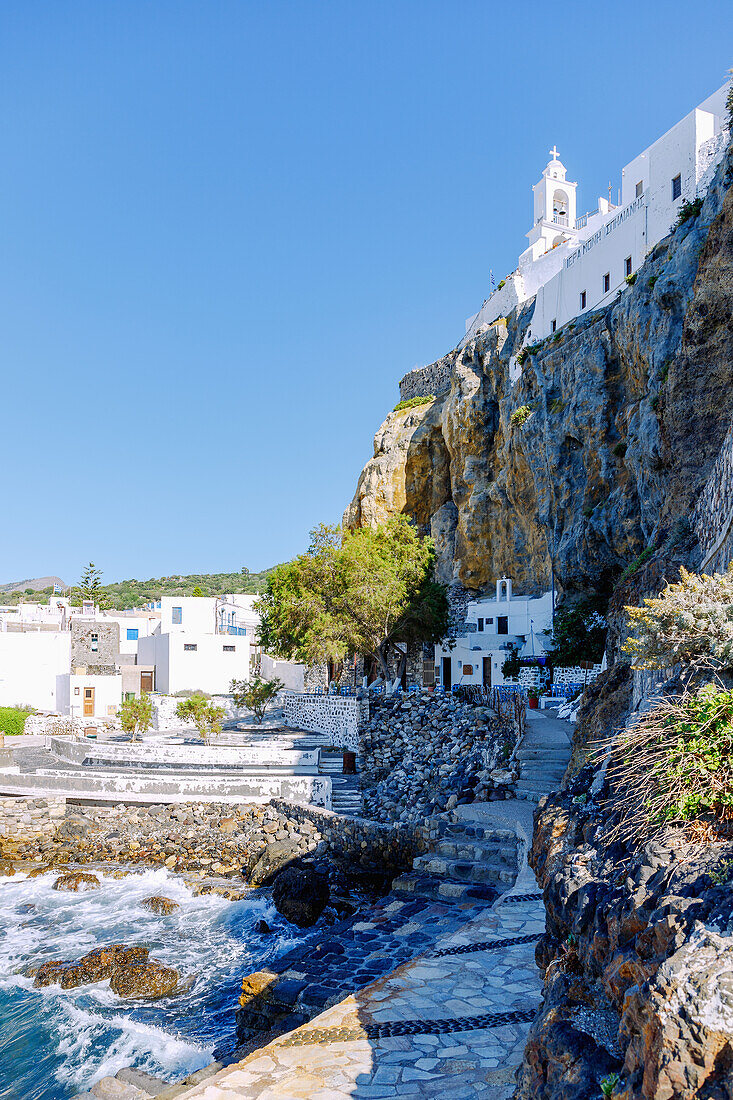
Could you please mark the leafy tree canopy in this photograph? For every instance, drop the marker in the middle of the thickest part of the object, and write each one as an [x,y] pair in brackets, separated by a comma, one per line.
[362,591]
[579,633]
[203,714]
[690,622]
[255,694]
[136,715]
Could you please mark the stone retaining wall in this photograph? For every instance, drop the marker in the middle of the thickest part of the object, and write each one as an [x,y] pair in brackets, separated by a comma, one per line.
[712,518]
[424,381]
[389,848]
[338,716]
[30,817]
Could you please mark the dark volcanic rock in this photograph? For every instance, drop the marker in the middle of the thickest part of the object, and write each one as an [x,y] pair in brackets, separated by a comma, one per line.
[300,895]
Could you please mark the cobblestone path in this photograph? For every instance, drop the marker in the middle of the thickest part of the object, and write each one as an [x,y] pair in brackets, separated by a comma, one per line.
[451,1023]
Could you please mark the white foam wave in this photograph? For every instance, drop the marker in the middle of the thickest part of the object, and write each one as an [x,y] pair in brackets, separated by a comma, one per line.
[93,1046]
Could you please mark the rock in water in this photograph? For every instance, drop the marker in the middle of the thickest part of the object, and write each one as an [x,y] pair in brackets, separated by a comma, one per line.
[300,895]
[161,906]
[144,980]
[50,973]
[76,882]
[274,858]
[263,928]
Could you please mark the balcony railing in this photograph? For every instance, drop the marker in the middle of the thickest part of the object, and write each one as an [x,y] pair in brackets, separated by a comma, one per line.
[559,219]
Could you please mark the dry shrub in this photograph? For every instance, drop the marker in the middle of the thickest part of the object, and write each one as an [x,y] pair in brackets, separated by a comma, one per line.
[674,766]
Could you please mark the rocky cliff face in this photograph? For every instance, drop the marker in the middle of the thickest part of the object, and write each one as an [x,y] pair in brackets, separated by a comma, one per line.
[637,961]
[622,414]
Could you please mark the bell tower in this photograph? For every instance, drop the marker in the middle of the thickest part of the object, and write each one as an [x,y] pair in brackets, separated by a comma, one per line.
[554,207]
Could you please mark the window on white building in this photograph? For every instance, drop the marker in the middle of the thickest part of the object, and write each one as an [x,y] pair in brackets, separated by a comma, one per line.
[640,188]
[190,647]
[676,187]
[95,643]
[583,299]
[553,326]
[177,615]
[502,624]
[229,648]
[132,634]
[606,282]
[627,266]
[480,625]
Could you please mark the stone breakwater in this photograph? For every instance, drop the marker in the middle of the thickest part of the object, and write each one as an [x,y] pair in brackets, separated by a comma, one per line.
[216,839]
[637,960]
[425,754]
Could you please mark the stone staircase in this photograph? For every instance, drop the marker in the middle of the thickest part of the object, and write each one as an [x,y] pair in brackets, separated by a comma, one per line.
[478,851]
[345,790]
[543,756]
[466,860]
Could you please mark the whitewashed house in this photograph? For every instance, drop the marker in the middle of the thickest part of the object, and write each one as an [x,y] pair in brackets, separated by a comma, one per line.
[575,263]
[201,642]
[494,628]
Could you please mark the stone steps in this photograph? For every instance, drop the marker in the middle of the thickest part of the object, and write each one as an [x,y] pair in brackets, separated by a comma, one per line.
[466,871]
[551,777]
[477,851]
[438,889]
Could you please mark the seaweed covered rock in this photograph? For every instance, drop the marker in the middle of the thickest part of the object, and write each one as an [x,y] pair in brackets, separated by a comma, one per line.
[147,981]
[77,882]
[160,905]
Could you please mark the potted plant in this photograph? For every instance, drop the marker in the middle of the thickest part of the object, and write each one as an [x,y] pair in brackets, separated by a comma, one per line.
[532,698]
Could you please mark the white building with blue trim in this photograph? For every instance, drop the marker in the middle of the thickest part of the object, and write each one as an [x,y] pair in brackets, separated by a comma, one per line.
[575,263]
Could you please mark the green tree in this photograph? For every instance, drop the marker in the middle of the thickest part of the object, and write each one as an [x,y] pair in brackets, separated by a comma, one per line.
[579,633]
[203,714]
[136,715]
[90,582]
[363,591]
[255,694]
[197,590]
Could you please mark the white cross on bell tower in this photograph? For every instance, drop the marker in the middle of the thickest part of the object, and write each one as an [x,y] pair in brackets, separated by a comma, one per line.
[554,207]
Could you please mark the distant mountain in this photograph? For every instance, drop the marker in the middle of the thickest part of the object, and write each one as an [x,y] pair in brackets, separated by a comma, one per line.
[37,584]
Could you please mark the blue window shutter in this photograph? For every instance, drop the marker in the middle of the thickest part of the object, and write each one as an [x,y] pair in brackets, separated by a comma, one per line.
[132,634]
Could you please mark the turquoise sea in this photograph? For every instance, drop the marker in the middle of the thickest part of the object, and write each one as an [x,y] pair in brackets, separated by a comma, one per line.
[55,1043]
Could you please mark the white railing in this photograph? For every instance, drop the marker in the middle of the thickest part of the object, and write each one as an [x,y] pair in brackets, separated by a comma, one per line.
[559,219]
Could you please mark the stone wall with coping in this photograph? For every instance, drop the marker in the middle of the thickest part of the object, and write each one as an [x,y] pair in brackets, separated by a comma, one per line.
[712,517]
[164,711]
[432,379]
[23,818]
[338,716]
[388,848]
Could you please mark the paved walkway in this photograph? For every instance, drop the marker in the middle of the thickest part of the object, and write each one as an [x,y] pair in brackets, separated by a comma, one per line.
[451,1023]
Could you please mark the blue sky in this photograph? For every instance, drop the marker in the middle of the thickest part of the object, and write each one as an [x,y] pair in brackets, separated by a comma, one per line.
[227,229]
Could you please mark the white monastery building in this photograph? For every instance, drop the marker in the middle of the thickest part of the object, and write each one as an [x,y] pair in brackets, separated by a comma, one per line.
[575,263]
[495,626]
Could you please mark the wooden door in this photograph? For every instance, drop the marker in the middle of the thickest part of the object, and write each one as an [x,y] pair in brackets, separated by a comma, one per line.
[88,702]
[447,681]
[487,672]
[146,682]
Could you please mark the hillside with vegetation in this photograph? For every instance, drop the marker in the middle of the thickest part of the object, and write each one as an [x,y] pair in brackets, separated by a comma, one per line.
[135,593]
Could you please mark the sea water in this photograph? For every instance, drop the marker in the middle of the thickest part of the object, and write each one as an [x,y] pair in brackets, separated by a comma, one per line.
[55,1042]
